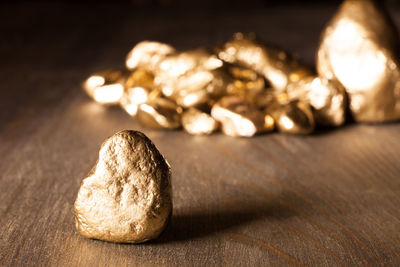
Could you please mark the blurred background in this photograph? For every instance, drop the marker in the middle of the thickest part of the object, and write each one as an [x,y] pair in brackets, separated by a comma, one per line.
[76,38]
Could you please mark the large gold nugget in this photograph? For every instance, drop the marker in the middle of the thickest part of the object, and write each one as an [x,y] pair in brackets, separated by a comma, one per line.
[147,55]
[239,118]
[294,117]
[359,48]
[277,66]
[195,121]
[106,87]
[126,197]
[326,97]
[159,113]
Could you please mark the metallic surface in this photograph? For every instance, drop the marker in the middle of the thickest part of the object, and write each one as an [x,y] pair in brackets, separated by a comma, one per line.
[126,197]
[195,121]
[106,87]
[326,97]
[147,55]
[245,82]
[295,118]
[137,88]
[277,66]
[359,48]
[239,118]
[191,77]
[159,113]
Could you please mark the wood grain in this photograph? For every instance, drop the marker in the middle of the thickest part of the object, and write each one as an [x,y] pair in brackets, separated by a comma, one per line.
[330,199]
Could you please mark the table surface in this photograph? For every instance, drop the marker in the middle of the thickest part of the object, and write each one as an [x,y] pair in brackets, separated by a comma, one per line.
[323,200]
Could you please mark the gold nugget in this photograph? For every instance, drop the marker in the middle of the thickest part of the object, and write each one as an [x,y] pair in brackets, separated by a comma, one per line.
[106,87]
[239,118]
[277,66]
[195,121]
[137,88]
[326,97]
[294,117]
[196,88]
[126,197]
[359,49]
[191,78]
[147,55]
[246,82]
[159,113]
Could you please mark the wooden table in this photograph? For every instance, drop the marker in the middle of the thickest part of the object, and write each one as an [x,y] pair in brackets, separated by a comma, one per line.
[328,199]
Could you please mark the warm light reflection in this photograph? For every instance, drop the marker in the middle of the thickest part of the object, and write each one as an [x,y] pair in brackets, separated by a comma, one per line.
[133,98]
[234,124]
[147,54]
[108,93]
[287,123]
[197,122]
[357,62]
[94,81]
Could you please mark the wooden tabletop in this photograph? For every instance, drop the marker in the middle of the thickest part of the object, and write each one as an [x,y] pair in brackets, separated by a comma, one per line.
[330,199]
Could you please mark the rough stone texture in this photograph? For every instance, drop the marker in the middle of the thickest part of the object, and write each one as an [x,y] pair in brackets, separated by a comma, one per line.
[359,48]
[126,197]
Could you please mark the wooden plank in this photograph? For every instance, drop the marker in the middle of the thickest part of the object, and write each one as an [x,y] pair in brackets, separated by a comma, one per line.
[323,200]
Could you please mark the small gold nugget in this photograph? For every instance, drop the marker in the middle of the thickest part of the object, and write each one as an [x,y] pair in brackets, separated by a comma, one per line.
[137,88]
[159,113]
[326,97]
[277,66]
[239,118]
[106,87]
[246,82]
[191,77]
[126,197]
[359,48]
[195,121]
[147,55]
[294,117]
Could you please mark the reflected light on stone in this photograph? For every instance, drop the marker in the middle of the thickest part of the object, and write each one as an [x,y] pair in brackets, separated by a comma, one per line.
[286,122]
[94,81]
[195,121]
[133,98]
[109,93]
[351,51]
[147,54]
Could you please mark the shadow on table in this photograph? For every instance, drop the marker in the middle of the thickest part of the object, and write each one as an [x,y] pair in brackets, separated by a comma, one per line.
[197,224]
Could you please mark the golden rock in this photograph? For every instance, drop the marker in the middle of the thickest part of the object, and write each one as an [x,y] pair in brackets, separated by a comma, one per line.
[326,97]
[126,197]
[239,118]
[106,87]
[191,78]
[277,66]
[294,117]
[178,64]
[246,82]
[137,88]
[359,48]
[159,113]
[147,55]
[197,122]
[196,88]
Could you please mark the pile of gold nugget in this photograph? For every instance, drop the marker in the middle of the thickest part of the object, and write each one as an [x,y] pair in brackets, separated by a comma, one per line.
[245,87]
